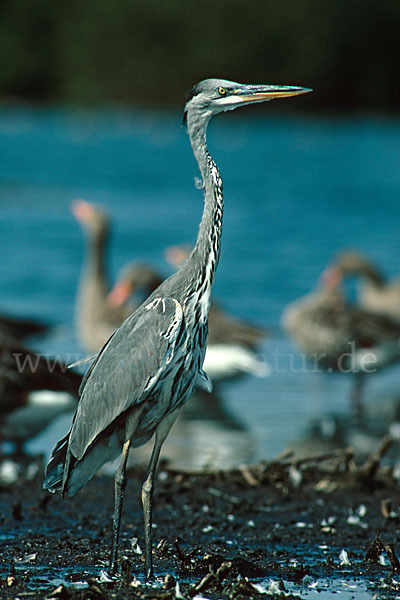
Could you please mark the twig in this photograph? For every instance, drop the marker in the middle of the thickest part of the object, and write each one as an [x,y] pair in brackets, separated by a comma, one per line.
[223,495]
[335,454]
[286,453]
[209,580]
[394,561]
[248,476]
[369,468]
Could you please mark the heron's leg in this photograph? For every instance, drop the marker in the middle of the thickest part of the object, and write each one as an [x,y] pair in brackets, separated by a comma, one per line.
[147,488]
[120,485]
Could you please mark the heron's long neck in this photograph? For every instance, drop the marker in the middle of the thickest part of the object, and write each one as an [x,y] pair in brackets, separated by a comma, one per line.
[204,259]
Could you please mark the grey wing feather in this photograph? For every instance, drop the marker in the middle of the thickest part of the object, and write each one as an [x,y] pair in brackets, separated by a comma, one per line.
[203,381]
[95,358]
[126,370]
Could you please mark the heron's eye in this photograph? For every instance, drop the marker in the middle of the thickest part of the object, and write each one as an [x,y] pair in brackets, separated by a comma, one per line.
[221,91]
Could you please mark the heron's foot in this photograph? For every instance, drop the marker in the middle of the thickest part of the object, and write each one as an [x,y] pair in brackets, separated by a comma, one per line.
[106,577]
[113,568]
[149,573]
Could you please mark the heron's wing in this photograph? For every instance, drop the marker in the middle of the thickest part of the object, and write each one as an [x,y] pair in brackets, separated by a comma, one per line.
[203,381]
[94,358]
[127,369]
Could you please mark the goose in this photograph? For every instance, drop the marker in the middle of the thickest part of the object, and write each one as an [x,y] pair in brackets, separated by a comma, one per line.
[336,335]
[34,390]
[96,318]
[376,294]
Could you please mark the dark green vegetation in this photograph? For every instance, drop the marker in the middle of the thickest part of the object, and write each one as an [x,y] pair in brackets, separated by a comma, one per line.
[150,53]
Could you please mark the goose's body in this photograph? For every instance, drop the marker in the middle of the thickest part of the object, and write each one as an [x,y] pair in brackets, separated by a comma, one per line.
[325,326]
[19,329]
[34,390]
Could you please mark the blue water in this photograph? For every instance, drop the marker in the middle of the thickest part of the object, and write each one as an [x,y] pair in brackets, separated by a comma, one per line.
[296,191]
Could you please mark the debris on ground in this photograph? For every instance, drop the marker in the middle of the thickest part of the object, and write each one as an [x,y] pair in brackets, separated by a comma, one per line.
[270,530]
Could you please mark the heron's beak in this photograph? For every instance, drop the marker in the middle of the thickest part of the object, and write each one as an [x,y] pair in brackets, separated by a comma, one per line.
[260,93]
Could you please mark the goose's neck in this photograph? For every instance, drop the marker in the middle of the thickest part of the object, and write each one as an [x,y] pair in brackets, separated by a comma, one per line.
[96,263]
[373,276]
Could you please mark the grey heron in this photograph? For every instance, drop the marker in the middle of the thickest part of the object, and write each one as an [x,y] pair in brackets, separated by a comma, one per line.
[152,364]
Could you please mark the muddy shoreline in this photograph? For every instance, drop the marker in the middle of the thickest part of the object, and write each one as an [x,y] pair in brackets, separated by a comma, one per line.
[285,528]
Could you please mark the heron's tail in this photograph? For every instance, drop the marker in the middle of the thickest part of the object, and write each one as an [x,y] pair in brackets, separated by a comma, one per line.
[55,469]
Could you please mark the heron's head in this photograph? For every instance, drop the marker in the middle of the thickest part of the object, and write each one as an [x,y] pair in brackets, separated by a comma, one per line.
[212,96]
